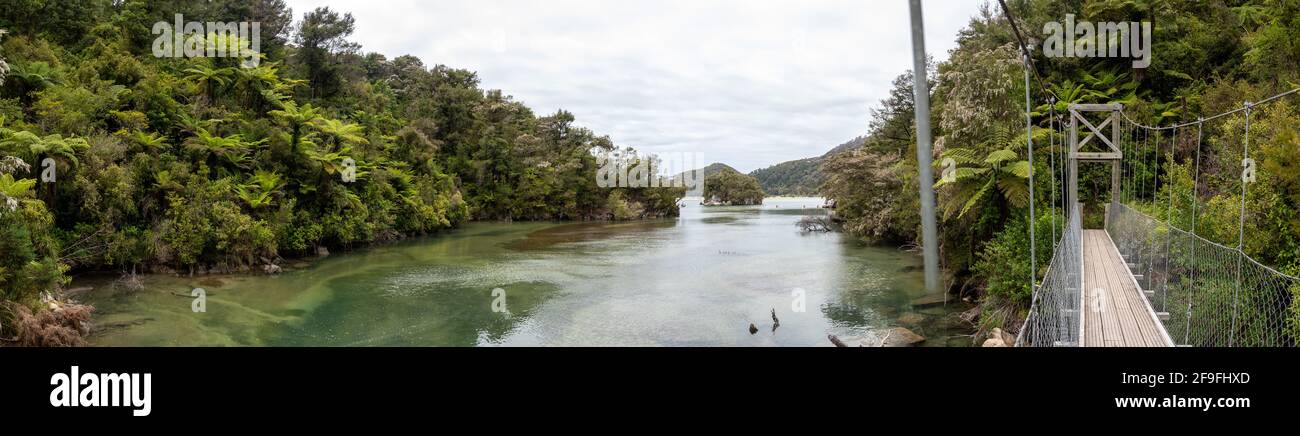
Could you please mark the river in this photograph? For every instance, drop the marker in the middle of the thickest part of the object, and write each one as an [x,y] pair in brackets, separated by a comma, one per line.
[699,280]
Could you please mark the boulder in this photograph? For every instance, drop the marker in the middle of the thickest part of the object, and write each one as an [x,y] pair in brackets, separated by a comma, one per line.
[994,342]
[911,318]
[900,337]
[1007,338]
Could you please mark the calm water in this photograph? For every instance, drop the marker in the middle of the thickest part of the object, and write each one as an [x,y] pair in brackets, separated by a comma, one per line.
[695,281]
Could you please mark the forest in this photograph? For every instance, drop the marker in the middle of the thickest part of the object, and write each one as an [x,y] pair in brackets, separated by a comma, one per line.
[1208,57]
[114,159]
[724,185]
[193,165]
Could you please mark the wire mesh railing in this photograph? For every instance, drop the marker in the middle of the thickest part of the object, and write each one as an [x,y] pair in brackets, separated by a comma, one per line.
[1206,294]
[1054,316]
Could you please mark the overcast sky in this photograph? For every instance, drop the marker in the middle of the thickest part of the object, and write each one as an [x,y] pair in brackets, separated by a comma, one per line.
[747,83]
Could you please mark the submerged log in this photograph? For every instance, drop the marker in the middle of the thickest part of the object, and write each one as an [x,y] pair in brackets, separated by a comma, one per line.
[932,300]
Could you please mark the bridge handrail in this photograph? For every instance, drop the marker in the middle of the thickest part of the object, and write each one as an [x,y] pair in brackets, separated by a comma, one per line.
[1055,317]
[1205,293]
[1207,241]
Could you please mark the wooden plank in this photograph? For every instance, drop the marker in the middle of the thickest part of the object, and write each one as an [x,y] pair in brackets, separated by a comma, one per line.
[1117,315]
[1121,307]
[1096,107]
[1114,309]
[1124,295]
[1096,301]
[1100,301]
[1125,306]
[1140,312]
[1095,130]
[1096,156]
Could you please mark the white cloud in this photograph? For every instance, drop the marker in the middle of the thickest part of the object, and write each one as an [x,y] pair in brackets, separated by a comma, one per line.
[748,83]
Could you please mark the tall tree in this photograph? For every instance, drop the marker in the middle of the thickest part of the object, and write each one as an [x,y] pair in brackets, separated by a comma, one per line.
[322,37]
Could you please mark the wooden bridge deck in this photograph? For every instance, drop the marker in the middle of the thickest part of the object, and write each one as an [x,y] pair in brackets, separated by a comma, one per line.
[1116,313]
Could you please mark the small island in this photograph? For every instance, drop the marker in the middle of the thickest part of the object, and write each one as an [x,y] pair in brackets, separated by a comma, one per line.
[724,186]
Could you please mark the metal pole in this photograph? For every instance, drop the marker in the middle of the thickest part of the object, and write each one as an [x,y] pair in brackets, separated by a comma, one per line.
[921,92]
[1029,141]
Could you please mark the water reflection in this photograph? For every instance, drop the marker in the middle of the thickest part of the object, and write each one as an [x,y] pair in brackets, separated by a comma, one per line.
[700,280]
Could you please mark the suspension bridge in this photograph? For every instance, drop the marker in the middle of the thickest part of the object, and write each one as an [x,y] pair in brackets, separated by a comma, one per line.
[1142,280]
[1138,280]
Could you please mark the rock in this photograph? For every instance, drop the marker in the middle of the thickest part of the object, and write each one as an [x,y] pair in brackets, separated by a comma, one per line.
[900,337]
[272,268]
[994,342]
[931,300]
[322,251]
[1005,337]
[753,328]
[74,292]
[911,318]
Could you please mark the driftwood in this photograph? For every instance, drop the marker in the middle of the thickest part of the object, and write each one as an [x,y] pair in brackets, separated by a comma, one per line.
[835,340]
[885,339]
[814,224]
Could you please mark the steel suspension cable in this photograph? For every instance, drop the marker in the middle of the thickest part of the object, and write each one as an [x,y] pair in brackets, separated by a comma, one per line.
[1146,142]
[1196,199]
[1241,225]
[1029,141]
[1213,117]
[1155,167]
[1051,157]
[1169,218]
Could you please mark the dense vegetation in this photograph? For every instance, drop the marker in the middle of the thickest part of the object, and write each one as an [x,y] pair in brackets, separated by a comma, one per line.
[1208,57]
[802,177]
[197,164]
[724,185]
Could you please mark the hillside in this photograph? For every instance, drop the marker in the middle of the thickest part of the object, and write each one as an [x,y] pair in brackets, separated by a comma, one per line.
[714,168]
[799,177]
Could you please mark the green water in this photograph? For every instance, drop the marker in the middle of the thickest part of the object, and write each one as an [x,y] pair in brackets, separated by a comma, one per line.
[699,280]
